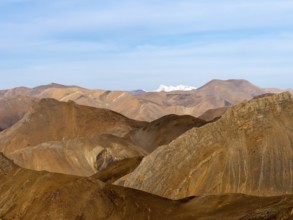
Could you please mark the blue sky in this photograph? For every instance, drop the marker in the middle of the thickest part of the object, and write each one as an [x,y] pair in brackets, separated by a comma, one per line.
[131,44]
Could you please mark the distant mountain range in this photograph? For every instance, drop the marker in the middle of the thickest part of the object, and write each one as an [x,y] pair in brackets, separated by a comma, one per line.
[138,105]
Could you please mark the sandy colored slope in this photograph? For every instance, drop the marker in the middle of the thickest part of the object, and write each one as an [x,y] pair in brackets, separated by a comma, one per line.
[72,139]
[50,120]
[69,138]
[41,195]
[30,195]
[248,150]
[81,156]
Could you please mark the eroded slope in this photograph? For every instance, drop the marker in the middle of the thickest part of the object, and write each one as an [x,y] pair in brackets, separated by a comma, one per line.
[248,150]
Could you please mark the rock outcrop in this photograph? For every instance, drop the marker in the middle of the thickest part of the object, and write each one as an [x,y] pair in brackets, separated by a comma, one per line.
[248,150]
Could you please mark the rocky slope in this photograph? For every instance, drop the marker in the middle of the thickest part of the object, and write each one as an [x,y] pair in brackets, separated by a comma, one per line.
[50,120]
[30,195]
[248,150]
[81,156]
[69,138]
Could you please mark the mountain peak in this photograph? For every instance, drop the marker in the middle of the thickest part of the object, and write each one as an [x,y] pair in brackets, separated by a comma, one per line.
[248,150]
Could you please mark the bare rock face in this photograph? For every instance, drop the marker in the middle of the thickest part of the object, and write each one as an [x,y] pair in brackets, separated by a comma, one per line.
[248,150]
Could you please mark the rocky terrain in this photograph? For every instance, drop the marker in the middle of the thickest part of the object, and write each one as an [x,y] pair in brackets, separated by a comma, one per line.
[68,138]
[248,150]
[29,195]
[63,160]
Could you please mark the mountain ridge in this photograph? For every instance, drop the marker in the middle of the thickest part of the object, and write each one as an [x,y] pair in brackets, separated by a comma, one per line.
[248,150]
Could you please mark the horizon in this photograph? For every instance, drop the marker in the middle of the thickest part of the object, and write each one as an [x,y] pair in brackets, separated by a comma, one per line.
[128,45]
[137,89]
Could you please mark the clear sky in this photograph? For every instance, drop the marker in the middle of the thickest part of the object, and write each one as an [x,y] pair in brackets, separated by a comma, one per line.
[140,44]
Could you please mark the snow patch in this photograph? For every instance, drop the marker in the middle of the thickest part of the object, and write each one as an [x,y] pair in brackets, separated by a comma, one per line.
[164,88]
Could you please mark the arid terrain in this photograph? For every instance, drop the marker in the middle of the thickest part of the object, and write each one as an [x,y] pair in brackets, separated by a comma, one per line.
[222,151]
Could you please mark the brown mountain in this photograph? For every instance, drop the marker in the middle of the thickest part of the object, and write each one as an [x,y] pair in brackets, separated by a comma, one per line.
[69,138]
[73,139]
[50,120]
[12,109]
[213,114]
[29,195]
[149,106]
[248,150]
[81,156]
[163,130]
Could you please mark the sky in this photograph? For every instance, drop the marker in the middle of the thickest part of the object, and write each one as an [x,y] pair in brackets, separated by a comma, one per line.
[140,44]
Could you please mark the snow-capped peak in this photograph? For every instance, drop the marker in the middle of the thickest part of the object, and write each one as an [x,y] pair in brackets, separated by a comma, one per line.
[164,88]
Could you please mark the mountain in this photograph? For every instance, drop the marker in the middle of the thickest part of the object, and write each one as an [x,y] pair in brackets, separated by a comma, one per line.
[80,156]
[248,150]
[28,195]
[51,120]
[148,106]
[213,114]
[12,109]
[69,138]
[163,130]
[163,88]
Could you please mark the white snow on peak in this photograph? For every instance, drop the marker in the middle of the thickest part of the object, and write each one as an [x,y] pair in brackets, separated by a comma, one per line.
[164,88]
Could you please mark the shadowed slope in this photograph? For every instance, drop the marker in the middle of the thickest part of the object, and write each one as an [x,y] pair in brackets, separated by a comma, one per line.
[163,130]
[213,114]
[12,109]
[248,150]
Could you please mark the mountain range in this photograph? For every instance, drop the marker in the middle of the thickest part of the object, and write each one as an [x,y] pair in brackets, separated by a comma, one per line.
[222,151]
[143,106]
